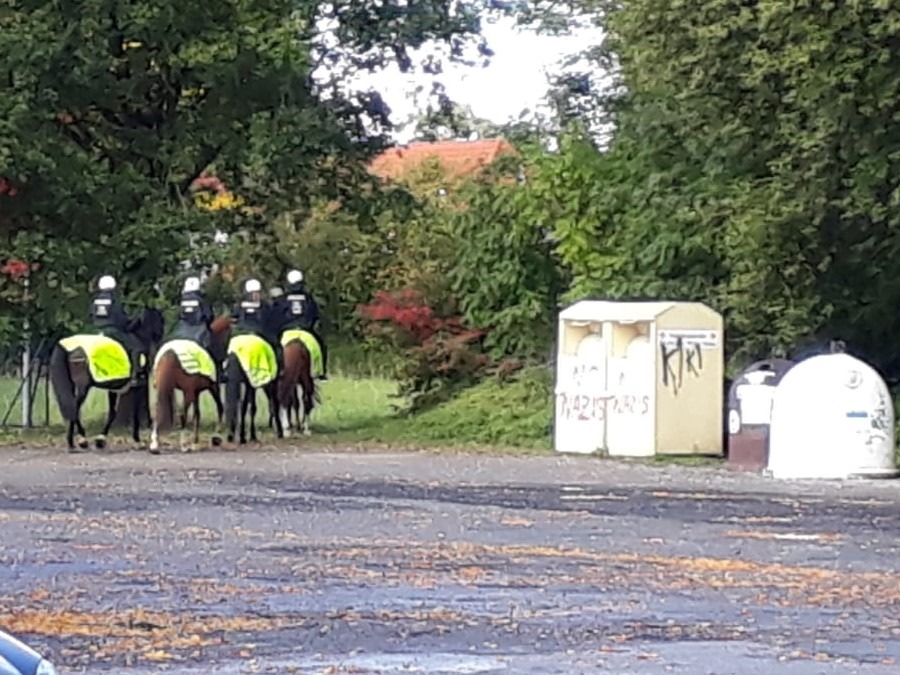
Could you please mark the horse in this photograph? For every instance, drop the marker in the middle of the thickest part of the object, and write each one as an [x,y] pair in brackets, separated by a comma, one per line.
[250,364]
[299,347]
[82,362]
[185,366]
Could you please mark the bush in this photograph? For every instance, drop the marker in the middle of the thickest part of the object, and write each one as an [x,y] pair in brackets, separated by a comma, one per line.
[441,354]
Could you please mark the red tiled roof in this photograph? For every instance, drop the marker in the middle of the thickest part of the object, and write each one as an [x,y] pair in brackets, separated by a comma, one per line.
[459,158]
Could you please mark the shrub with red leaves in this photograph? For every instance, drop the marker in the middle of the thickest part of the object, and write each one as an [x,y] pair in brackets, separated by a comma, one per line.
[15,269]
[6,188]
[442,354]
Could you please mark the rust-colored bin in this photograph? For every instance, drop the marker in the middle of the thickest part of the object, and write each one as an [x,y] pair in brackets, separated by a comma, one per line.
[750,413]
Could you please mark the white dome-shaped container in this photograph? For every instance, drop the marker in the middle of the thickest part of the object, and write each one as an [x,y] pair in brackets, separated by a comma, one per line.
[832,417]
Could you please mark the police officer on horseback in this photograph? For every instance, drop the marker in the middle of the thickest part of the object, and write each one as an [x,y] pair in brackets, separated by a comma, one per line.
[109,318]
[195,315]
[252,315]
[297,309]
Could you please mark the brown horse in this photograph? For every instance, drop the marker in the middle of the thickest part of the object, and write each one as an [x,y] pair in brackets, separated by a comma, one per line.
[171,375]
[297,373]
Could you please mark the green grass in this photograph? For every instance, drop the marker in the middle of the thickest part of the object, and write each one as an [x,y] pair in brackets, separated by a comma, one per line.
[359,406]
[516,413]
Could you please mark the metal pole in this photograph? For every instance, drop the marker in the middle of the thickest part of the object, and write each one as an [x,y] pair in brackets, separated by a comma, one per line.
[26,367]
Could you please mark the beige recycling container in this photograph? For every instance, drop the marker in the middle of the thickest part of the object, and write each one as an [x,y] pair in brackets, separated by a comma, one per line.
[635,379]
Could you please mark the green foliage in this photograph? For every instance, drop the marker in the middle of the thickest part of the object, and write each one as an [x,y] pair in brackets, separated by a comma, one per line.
[753,167]
[507,413]
[109,111]
[505,274]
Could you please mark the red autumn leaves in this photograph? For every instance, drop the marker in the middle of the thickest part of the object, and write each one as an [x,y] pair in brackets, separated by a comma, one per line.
[409,313]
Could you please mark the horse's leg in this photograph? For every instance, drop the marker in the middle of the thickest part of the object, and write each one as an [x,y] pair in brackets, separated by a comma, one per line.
[187,401]
[81,440]
[253,414]
[308,405]
[276,403]
[299,393]
[217,398]
[244,405]
[283,424]
[185,404]
[196,441]
[70,435]
[113,400]
[136,411]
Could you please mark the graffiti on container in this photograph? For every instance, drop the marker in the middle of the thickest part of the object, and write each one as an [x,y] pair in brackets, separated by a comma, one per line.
[581,375]
[597,408]
[880,422]
[679,360]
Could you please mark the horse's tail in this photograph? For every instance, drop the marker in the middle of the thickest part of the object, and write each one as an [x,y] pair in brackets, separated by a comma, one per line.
[291,373]
[303,374]
[63,385]
[234,373]
[165,390]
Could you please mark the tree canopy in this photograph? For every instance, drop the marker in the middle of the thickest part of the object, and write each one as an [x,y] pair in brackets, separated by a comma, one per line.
[110,110]
[750,161]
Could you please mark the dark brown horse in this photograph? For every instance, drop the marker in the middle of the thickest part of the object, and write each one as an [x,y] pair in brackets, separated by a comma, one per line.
[297,374]
[70,375]
[170,375]
[240,398]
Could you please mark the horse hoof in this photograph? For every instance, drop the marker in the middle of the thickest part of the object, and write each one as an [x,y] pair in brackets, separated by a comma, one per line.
[100,442]
[74,450]
[217,441]
[153,450]
[83,443]
[188,448]
[231,438]
[307,432]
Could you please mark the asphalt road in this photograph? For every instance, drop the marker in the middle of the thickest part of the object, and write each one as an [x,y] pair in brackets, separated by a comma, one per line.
[291,562]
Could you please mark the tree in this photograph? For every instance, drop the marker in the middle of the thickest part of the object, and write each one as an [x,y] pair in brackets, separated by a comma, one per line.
[754,167]
[109,111]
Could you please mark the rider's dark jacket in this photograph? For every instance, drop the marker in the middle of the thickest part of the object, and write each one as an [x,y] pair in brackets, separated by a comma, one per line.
[194,318]
[253,317]
[295,309]
[107,312]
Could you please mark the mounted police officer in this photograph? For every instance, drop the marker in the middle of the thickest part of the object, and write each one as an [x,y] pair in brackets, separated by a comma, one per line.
[298,309]
[109,318]
[252,316]
[195,315]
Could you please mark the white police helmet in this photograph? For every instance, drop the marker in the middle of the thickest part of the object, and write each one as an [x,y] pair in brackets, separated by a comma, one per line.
[252,286]
[276,292]
[107,283]
[294,277]
[191,285]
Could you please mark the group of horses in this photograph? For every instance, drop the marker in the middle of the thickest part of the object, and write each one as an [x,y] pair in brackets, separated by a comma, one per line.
[73,375]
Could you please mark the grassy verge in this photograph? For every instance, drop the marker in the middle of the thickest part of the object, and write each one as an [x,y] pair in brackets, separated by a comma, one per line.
[516,413]
[359,406]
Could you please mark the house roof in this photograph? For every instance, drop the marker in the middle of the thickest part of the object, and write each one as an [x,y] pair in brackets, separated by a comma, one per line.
[458,158]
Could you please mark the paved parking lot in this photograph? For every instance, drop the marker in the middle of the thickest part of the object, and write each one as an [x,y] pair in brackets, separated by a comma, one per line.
[279,561]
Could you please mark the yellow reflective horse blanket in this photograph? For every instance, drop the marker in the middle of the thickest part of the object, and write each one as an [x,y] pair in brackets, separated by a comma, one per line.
[194,359]
[256,357]
[312,345]
[107,359]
